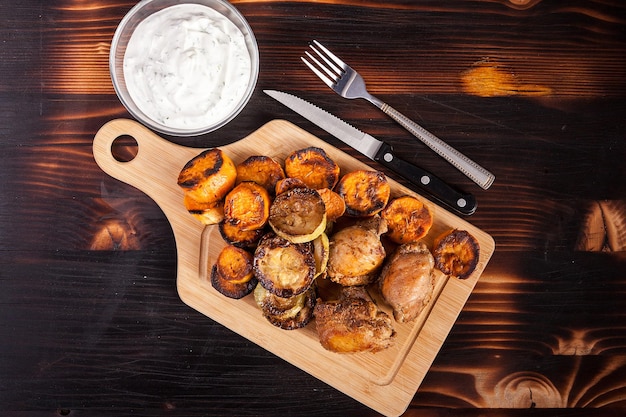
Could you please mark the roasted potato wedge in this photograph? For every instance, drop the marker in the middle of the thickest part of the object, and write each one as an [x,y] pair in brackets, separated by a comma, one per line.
[262,170]
[284,268]
[314,167]
[248,206]
[233,272]
[357,253]
[209,176]
[287,313]
[298,215]
[365,192]
[456,253]
[335,206]
[207,213]
[408,219]
[233,234]
[353,323]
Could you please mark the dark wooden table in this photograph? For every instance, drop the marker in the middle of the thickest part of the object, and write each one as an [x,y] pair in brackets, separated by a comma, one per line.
[90,320]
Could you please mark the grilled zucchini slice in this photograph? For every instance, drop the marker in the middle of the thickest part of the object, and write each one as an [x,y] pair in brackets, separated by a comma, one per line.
[284,268]
[298,215]
[287,313]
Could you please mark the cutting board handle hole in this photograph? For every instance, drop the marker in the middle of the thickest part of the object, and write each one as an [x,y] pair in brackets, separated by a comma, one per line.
[124,148]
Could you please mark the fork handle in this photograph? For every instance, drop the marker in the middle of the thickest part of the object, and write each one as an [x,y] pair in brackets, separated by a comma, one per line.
[471,169]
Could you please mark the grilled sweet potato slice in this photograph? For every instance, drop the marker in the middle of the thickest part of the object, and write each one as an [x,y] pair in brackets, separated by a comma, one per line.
[298,215]
[456,253]
[335,206]
[233,234]
[314,167]
[262,170]
[365,192]
[287,184]
[248,206]
[284,268]
[206,212]
[233,272]
[408,219]
[209,176]
[287,313]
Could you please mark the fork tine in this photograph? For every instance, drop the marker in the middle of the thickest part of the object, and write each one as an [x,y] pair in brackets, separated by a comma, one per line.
[317,72]
[337,70]
[339,63]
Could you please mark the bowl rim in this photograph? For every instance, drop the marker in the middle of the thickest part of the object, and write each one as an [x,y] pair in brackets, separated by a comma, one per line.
[233,14]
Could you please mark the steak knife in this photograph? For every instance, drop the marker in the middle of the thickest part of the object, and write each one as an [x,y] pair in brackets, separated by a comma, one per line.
[380,152]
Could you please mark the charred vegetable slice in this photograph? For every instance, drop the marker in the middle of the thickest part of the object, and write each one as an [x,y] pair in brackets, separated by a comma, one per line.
[262,170]
[335,206]
[233,272]
[456,253]
[209,176]
[284,268]
[206,212]
[408,219]
[234,235]
[365,192]
[298,215]
[287,313]
[313,166]
[247,205]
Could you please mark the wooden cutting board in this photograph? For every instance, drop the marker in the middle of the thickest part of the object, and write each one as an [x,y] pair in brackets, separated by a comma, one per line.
[384,381]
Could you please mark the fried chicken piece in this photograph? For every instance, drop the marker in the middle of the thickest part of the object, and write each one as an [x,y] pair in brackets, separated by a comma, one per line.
[407,280]
[353,323]
[356,253]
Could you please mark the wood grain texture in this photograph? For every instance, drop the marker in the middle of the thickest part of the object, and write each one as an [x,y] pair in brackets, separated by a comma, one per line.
[91,329]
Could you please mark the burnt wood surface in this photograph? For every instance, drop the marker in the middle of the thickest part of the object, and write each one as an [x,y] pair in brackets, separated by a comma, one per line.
[90,320]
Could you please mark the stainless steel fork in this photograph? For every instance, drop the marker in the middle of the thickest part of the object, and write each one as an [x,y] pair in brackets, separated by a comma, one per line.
[348,83]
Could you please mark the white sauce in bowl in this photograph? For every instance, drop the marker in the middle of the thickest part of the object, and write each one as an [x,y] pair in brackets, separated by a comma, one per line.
[187,66]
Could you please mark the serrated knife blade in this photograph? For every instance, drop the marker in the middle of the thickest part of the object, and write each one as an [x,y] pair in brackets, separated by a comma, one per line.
[379,151]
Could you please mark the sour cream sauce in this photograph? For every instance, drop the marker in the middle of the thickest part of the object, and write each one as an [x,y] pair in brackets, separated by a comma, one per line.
[187,66]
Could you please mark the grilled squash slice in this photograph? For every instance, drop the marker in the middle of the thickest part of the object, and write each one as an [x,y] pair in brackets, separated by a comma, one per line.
[321,253]
[314,167]
[353,323]
[365,192]
[284,268]
[408,219]
[262,170]
[233,272]
[207,213]
[287,313]
[209,176]
[298,215]
[456,253]
[248,206]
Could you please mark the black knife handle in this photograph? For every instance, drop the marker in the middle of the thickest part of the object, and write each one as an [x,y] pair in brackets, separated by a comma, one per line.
[457,200]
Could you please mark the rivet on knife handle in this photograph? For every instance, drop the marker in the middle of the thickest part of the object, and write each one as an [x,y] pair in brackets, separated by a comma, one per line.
[471,169]
[457,200]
